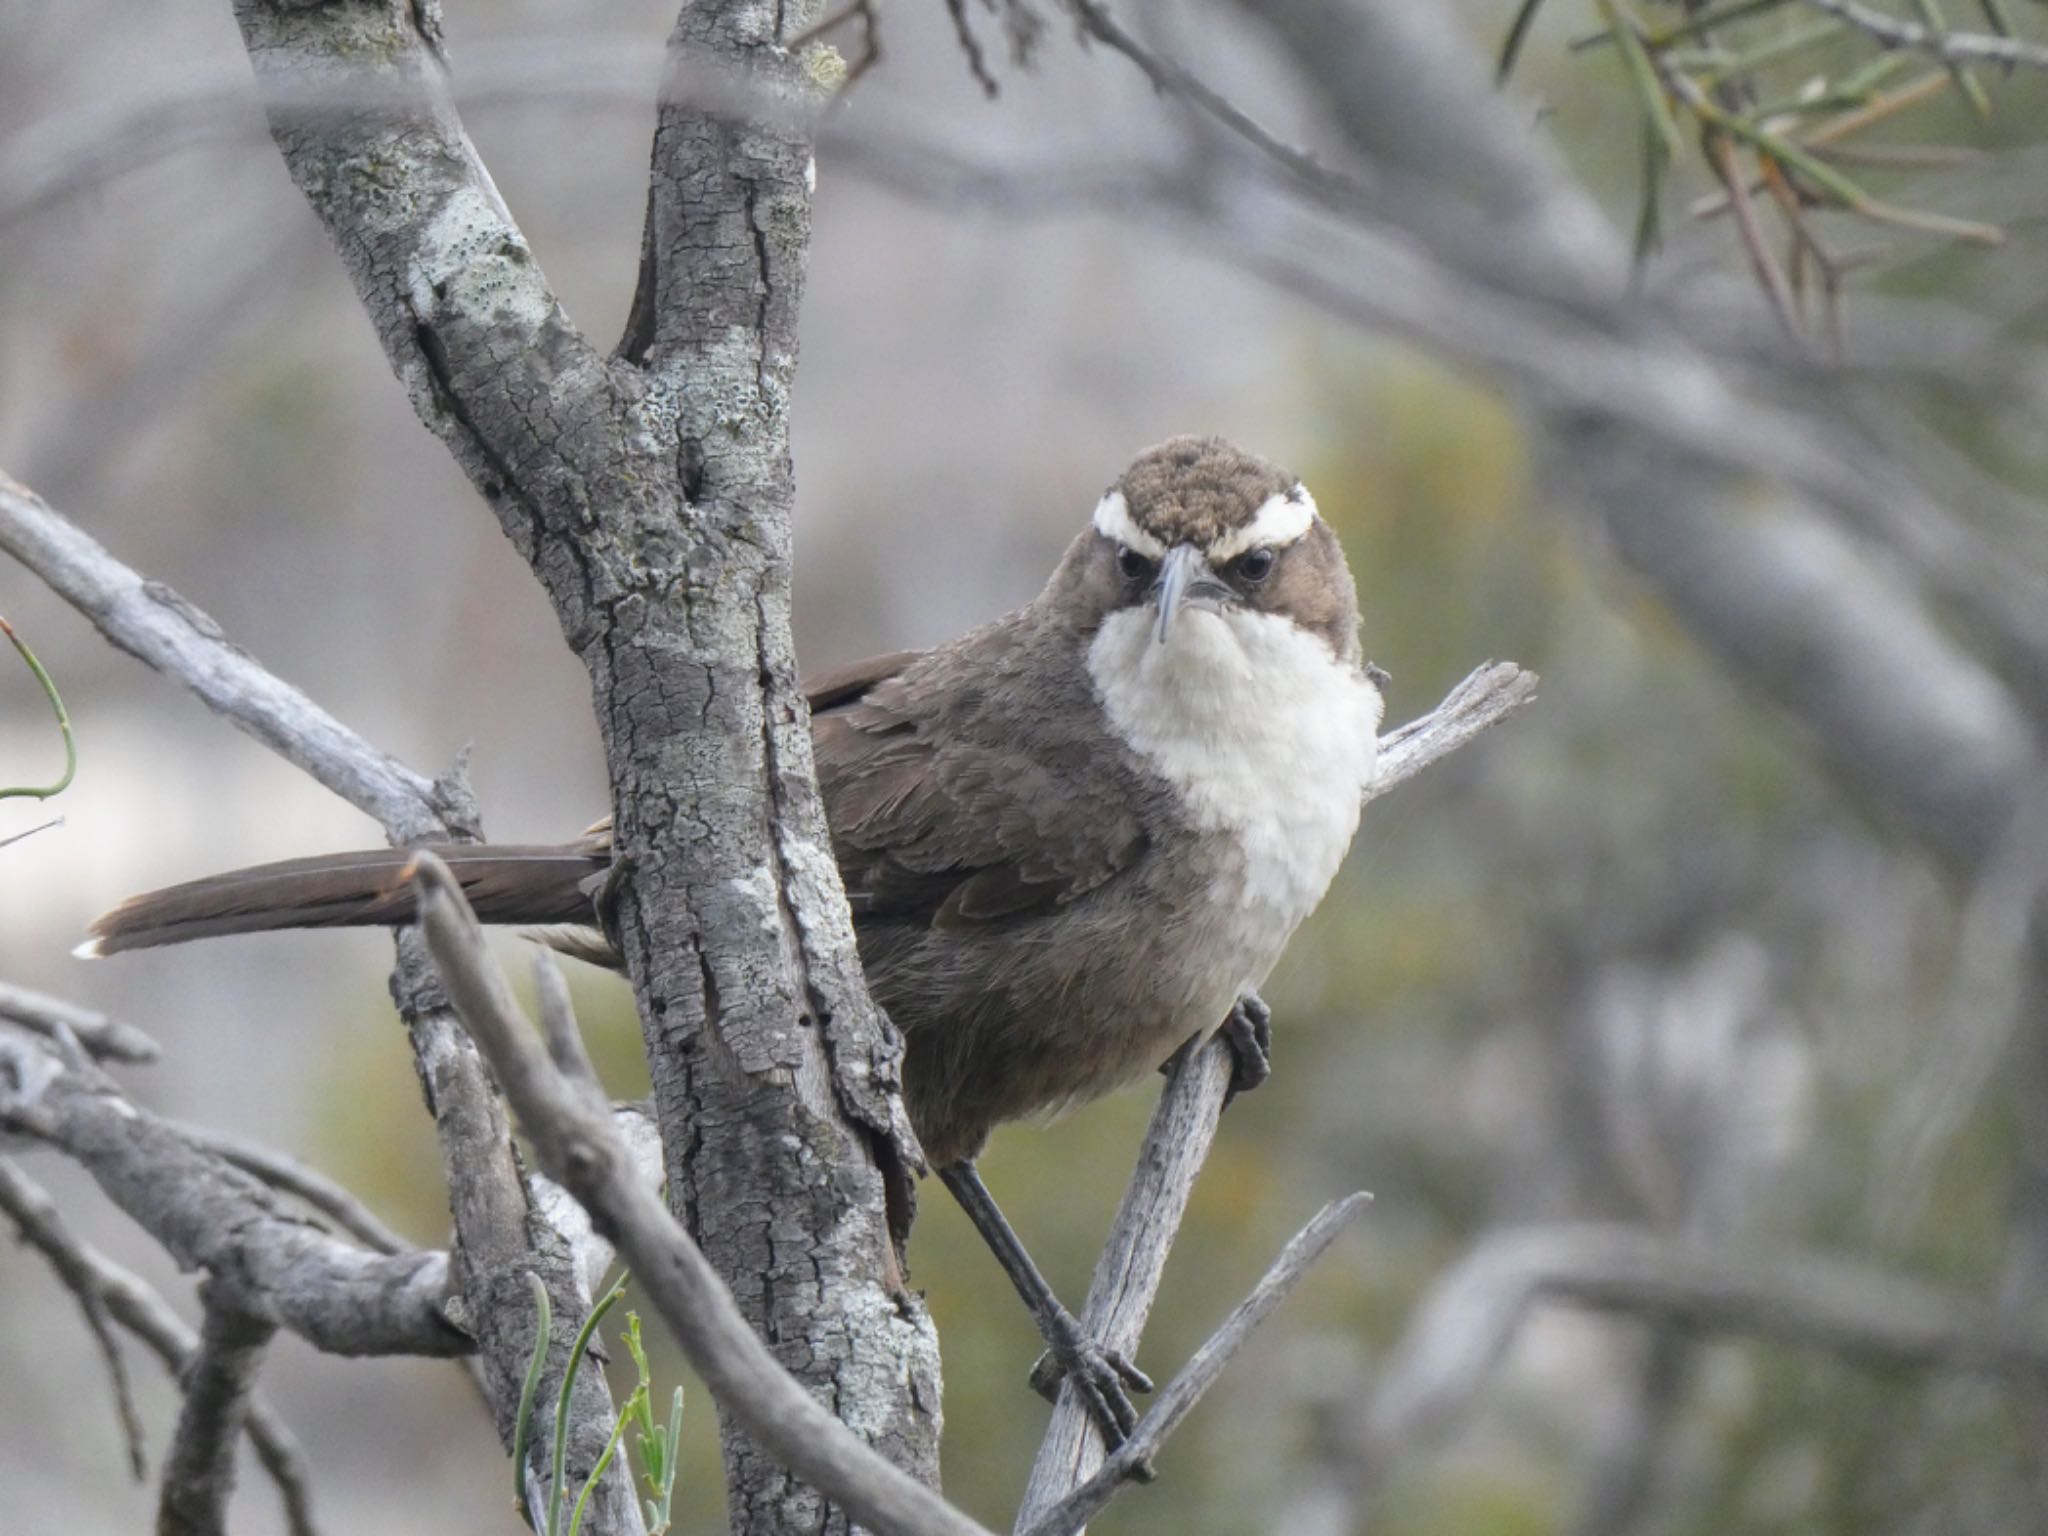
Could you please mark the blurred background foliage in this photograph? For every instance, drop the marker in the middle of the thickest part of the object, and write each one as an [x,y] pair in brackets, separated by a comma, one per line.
[1632,957]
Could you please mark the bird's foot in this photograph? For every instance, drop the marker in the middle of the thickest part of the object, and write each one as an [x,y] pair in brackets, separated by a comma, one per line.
[1105,1378]
[1249,1030]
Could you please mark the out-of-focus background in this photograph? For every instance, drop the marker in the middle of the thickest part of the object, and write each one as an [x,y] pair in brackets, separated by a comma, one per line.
[1631,958]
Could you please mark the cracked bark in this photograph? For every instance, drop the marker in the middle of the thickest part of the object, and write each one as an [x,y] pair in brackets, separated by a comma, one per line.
[652,495]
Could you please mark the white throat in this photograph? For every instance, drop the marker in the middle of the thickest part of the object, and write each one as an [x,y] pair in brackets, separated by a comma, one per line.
[1266,734]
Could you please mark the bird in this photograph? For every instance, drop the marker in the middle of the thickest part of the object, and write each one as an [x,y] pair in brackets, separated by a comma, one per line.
[1072,839]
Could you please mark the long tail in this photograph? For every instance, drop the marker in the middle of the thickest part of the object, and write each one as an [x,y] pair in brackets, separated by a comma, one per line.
[537,883]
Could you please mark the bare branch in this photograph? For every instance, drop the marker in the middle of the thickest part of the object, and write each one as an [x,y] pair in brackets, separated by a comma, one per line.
[576,1143]
[283,1172]
[496,1244]
[199,1473]
[211,1216]
[1179,1396]
[139,1309]
[1176,80]
[1471,1315]
[1490,693]
[154,624]
[35,1216]
[1948,46]
[106,1038]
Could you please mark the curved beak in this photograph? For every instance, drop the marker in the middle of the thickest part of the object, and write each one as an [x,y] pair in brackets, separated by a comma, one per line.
[1184,577]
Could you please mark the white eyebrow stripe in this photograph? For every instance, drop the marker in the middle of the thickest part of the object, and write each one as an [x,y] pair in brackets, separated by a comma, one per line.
[1281,519]
[1113,521]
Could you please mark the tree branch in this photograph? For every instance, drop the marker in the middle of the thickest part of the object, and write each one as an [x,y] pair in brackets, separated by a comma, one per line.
[497,1242]
[98,1282]
[1948,46]
[199,1473]
[158,627]
[209,1215]
[107,1039]
[302,1182]
[1472,1313]
[1178,1397]
[36,1219]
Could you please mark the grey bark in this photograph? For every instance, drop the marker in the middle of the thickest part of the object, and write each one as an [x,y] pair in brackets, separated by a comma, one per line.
[199,1474]
[212,1216]
[652,495]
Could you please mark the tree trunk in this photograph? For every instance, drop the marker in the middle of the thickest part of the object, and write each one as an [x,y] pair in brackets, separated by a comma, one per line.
[652,494]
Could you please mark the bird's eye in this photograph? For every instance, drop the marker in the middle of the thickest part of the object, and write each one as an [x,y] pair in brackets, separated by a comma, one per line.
[1255,565]
[1134,565]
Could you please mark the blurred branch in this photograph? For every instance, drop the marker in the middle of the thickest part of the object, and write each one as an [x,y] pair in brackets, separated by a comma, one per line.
[38,1223]
[199,1472]
[1173,79]
[1946,44]
[103,1287]
[1470,1316]
[1133,1259]
[106,1038]
[1658,436]
[575,1141]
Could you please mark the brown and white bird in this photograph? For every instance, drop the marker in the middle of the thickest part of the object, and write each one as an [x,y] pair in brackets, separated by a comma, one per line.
[1072,838]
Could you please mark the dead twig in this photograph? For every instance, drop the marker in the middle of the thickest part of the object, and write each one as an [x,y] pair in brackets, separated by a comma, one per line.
[130,1302]
[37,1221]
[1179,1396]
[107,1039]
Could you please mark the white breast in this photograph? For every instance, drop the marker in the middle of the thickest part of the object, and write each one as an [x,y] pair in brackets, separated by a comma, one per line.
[1266,734]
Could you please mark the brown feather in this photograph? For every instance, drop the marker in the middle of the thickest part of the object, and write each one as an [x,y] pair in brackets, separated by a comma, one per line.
[510,883]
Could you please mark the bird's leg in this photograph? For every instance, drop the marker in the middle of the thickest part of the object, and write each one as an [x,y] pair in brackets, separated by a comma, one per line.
[1249,1029]
[1100,1374]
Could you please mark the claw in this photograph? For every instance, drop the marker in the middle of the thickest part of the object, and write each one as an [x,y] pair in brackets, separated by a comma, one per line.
[1105,1378]
[1249,1029]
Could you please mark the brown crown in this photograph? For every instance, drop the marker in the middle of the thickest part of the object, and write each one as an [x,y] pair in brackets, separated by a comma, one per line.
[1194,490]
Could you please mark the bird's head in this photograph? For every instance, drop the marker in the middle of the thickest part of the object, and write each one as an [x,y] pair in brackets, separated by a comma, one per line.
[1198,524]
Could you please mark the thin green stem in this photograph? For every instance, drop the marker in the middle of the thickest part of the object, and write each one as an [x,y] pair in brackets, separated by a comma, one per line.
[1692,26]
[1642,74]
[557,1498]
[49,688]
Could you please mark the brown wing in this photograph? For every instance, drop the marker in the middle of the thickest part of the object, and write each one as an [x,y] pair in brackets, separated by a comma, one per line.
[965,788]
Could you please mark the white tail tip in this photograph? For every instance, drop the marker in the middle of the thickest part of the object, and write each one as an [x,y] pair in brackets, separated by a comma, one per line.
[89,950]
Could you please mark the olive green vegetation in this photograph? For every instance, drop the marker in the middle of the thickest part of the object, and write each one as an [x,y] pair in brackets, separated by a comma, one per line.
[1642,823]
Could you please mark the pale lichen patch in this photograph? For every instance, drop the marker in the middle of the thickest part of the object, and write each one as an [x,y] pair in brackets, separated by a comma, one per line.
[471,262]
